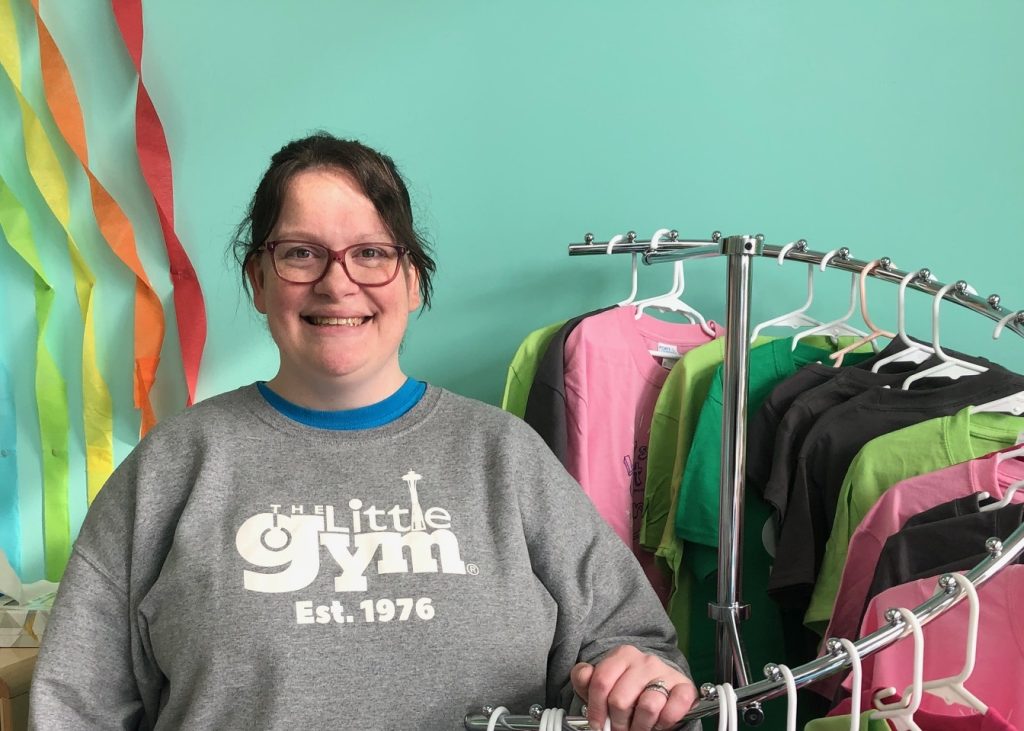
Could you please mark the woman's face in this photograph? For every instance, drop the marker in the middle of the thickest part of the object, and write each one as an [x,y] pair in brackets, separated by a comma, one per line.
[338,340]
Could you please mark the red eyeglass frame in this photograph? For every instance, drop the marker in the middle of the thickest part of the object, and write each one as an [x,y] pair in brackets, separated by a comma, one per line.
[333,255]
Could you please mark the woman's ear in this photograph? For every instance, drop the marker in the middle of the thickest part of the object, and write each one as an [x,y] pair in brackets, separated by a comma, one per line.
[254,270]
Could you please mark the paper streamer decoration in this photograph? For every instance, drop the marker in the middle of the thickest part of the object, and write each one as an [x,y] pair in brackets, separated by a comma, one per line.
[155,160]
[97,408]
[10,513]
[51,401]
[113,224]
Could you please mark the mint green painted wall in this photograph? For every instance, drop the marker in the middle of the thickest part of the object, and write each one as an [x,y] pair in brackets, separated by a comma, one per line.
[893,128]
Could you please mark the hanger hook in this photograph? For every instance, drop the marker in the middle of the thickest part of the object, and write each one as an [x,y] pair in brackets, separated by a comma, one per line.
[1016,317]
[614,240]
[788,247]
[827,258]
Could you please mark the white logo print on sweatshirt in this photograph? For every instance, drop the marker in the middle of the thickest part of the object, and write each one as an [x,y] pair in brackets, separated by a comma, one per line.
[401,540]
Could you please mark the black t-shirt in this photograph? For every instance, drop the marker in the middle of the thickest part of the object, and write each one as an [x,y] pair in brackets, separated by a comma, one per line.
[805,410]
[764,426]
[830,448]
[954,544]
[966,505]
[545,403]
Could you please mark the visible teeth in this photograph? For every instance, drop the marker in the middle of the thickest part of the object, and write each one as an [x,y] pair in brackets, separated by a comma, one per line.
[347,321]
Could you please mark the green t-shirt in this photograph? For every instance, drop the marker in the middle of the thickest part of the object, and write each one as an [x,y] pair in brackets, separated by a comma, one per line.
[842,723]
[672,428]
[696,517]
[881,463]
[524,367]
[698,511]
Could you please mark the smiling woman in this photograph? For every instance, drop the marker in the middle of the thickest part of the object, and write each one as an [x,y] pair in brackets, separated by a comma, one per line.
[257,561]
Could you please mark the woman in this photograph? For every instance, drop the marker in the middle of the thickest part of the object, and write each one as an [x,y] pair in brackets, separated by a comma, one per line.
[343,546]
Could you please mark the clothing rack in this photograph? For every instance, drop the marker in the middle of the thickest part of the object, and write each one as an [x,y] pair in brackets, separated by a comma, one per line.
[729,611]
[948,595]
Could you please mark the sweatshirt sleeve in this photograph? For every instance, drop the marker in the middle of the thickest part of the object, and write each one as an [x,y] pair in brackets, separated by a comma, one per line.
[604,599]
[95,670]
[84,677]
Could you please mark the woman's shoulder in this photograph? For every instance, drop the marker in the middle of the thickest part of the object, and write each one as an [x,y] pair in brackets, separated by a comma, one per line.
[218,413]
[480,414]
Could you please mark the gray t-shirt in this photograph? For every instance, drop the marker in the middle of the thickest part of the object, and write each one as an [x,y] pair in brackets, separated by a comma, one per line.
[243,571]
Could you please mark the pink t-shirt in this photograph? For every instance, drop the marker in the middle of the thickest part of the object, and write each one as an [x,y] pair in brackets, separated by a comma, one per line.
[998,677]
[894,508]
[612,383]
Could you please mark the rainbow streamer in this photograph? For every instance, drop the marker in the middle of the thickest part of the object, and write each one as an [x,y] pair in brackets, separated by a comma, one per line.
[155,160]
[97,407]
[62,101]
[51,398]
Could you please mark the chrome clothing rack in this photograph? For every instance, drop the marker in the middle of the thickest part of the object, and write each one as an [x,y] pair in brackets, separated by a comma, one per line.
[947,595]
[731,663]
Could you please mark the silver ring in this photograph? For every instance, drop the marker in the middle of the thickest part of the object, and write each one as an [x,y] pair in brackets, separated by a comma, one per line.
[657,685]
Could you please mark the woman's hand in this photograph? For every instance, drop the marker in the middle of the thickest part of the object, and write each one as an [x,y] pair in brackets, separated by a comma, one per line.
[624,686]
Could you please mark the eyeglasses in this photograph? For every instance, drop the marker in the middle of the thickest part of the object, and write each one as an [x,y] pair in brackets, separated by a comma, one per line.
[368,265]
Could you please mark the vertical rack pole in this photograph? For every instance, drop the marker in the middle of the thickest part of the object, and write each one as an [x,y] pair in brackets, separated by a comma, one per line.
[731,663]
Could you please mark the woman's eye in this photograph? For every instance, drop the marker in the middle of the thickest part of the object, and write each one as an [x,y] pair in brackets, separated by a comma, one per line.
[371,252]
[299,252]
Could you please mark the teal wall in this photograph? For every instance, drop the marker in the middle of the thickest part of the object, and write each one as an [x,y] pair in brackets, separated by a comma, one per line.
[893,128]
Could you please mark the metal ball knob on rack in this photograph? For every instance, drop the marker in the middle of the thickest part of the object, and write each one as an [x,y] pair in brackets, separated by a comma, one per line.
[960,287]
[536,710]
[994,300]
[885,263]
[844,252]
[924,274]
[631,237]
[948,583]
[801,245]
[588,238]
[994,546]
[708,691]
[673,235]
[716,236]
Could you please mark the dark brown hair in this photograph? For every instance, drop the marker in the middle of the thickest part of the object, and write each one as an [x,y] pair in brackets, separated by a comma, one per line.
[374,172]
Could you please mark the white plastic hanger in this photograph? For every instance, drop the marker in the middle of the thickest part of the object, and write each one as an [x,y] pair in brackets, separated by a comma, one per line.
[1006,499]
[787,675]
[950,367]
[840,326]
[952,689]
[914,352]
[670,301]
[1012,489]
[632,294]
[727,715]
[901,713]
[1014,403]
[875,331]
[856,681]
[796,318]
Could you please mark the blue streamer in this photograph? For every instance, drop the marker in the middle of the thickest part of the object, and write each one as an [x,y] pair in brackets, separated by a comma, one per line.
[10,514]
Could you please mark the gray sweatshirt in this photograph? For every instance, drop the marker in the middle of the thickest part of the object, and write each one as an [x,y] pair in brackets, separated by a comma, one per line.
[243,571]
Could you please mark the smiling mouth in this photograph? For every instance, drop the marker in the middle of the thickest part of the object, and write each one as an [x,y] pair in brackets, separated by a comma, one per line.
[336,321]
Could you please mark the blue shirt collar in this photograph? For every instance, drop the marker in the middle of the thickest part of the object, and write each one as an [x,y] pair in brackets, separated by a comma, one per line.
[365,417]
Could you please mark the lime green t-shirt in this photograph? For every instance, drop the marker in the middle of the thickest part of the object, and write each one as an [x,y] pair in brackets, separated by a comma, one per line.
[524,367]
[881,463]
